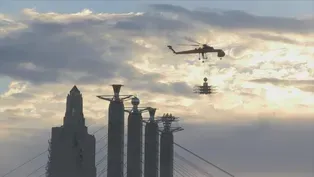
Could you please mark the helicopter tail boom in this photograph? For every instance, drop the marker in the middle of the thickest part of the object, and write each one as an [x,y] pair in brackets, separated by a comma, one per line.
[170,47]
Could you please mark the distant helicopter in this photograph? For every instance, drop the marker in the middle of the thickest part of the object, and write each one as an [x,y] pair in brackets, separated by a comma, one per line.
[200,50]
[204,89]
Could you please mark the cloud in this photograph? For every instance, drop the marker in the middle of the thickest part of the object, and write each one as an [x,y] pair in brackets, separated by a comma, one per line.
[149,22]
[57,50]
[8,25]
[85,15]
[275,38]
[92,49]
[66,55]
[51,52]
[235,19]
[306,85]
[284,82]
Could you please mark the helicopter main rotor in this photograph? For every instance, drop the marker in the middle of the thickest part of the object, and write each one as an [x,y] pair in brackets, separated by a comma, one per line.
[197,44]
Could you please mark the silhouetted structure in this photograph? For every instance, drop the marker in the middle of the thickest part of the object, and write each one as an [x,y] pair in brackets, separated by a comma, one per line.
[166,145]
[203,50]
[71,148]
[135,142]
[204,89]
[151,146]
[115,152]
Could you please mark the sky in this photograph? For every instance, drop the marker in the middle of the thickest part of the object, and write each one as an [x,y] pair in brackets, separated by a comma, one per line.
[260,122]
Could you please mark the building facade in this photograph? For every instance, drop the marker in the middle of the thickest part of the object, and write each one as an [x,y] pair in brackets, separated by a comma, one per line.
[71,148]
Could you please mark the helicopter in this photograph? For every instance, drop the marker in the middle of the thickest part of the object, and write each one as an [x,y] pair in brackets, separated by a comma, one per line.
[200,50]
[204,89]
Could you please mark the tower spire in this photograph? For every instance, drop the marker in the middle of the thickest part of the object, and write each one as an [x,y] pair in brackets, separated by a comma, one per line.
[74,108]
[75,89]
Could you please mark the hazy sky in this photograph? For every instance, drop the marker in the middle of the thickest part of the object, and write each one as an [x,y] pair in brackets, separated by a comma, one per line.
[270,8]
[261,121]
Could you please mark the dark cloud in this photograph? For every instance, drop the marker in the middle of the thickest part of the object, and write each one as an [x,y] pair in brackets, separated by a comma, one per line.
[55,48]
[78,46]
[173,88]
[170,8]
[307,88]
[14,112]
[234,19]
[22,96]
[152,22]
[50,52]
[7,24]
[284,82]
[274,38]
[305,85]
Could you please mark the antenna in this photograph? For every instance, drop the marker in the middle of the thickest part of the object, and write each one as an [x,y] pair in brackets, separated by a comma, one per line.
[205,88]
[135,101]
[151,118]
[116,90]
[167,120]
[152,112]
[116,97]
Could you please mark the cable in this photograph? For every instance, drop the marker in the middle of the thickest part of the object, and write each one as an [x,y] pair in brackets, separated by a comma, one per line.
[40,155]
[186,170]
[102,171]
[24,164]
[193,165]
[175,165]
[126,172]
[178,172]
[101,160]
[42,175]
[101,139]
[102,148]
[99,129]
[204,160]
[36,170]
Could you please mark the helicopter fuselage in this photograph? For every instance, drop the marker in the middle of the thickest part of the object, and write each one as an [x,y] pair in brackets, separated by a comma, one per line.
[200,50]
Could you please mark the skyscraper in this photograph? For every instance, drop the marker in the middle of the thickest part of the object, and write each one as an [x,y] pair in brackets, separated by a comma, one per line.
[71,148]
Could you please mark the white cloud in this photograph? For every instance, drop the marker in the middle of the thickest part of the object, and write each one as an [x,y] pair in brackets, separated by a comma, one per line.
[91,50]
[84,15]
[8,25]
[57,49]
